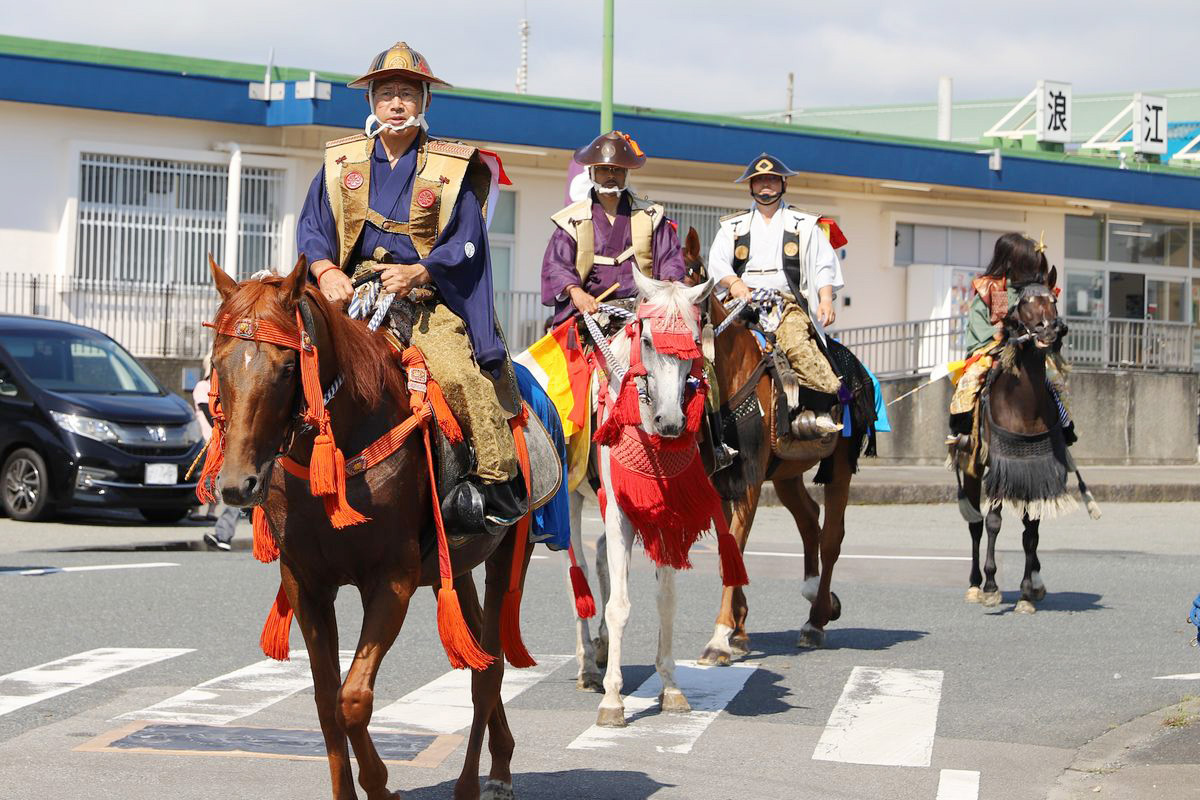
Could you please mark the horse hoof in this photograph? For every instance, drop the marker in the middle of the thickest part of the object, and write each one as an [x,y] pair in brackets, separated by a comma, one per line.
[836,613]
[590,682]
[712,657]
[674,702]
[1025,607]
[974,595]
[1039,594]
[497,790]
[601,647]
[740,645]
[611,717]
[990,599]
[811,637]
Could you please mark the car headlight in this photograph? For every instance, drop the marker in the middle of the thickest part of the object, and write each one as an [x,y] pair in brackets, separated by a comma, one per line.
[191,433]
[92,428]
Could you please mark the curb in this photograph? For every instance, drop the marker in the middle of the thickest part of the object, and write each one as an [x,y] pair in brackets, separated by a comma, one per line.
[1104,755]
[933,494]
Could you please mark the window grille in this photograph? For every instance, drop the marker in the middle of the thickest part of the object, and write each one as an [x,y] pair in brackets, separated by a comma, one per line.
[149,220]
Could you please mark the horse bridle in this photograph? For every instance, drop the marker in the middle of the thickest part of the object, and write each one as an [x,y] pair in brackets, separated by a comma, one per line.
[1029,291]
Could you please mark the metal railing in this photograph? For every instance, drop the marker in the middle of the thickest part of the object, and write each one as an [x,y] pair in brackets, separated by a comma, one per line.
[165,321]
[915,347]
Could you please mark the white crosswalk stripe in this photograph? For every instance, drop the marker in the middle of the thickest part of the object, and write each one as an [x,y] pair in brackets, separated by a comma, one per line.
[444,704]
[237,694]
[884,716]
[708,690]
[32,685]
[958,784]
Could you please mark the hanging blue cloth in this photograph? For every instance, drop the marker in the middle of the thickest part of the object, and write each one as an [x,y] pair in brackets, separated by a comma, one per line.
[552,522]
[881,418]
[1194,617]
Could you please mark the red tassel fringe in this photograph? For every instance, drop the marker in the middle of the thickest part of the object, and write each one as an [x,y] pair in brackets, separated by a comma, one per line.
[265,549]
[585,604]
[733,568]
[625,412]
[460,646]
[337,507]
[679,344]
[277,630]
[322,465]
[510,630]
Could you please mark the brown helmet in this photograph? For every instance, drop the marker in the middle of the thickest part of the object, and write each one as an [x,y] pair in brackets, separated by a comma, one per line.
[613,149]
[398,61]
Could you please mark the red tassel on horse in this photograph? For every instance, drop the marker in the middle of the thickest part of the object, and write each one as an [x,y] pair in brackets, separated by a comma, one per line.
[277,630]
[510,611]
[733,567]
[585,604]
[265,549]
[457,640]
[337,507]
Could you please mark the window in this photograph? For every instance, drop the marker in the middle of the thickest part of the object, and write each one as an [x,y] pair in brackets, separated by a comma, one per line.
[943,246]
[1147,242]
[153,220]
[904,244]
[67,362]
[1085,238]
[1126,295]
[705,219]
[1085,294]
[1164,300]
[502,239]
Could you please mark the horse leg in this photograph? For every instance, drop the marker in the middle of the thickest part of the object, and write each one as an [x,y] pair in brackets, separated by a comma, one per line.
[807,516]
[588,678]
[316,620]
[619,547]
[485,684]
[672,698]
[828,606]
[731,616]
[991,592]
[601,642]
[1032,588]
[973,487]
[384,607]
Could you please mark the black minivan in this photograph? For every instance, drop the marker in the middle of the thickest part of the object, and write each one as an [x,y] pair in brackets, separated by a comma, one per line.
[83,424]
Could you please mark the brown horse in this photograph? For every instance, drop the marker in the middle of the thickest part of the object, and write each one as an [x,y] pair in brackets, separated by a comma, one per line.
[384,557]
[737,360]
[1025,456]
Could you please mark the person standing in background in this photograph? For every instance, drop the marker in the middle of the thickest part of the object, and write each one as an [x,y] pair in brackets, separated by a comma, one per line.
[221,536]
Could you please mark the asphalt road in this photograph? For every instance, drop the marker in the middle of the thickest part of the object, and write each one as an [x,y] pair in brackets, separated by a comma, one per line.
[1007,696]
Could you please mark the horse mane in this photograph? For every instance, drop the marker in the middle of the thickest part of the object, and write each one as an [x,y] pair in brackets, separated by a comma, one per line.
[368,361]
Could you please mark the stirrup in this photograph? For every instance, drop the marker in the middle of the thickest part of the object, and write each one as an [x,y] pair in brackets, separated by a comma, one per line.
[807,425]
[723,456]
[463,511]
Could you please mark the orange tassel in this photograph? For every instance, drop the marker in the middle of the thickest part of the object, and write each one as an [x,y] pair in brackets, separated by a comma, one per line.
[510,631]
[733,567]
[337,507]
[585,604]
[461,648]
[443,414]
[277,630]
[322,466]
[265,549]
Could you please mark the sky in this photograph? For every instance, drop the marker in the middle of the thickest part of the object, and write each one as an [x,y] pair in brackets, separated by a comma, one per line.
[690,55]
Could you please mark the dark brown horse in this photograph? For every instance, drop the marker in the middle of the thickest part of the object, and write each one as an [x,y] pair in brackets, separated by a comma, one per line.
[1023,461]
[737,360]
[384,557]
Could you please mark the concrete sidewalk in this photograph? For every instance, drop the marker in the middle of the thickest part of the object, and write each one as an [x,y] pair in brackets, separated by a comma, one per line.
[886,485]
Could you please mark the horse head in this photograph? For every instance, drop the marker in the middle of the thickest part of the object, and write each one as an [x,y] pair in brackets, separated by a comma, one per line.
[1035,318]
[669,324]
[696,272]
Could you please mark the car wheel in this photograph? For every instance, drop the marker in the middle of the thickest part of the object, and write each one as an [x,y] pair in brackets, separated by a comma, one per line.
[164,514]
[25,486]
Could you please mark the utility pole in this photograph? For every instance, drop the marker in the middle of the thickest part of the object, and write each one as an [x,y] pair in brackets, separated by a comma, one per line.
[523,67]
[606,81]
[787,117]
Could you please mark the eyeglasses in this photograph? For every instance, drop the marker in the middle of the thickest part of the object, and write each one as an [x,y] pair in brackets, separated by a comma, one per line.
[389,93]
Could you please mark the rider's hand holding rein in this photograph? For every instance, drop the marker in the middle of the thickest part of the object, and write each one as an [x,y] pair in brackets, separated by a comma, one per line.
[402,278]
[825,313]
[584,302]
[738,289]
[332,282]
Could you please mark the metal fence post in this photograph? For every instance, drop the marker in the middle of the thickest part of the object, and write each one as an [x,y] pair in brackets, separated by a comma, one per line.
[166,324]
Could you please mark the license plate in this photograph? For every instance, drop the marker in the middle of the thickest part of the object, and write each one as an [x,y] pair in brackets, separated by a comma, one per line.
[160,474]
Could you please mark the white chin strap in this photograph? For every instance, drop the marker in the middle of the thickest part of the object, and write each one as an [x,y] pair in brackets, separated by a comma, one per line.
[602,189]
[375,126]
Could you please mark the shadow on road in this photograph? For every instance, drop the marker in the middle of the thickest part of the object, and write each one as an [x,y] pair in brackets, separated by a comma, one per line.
[1054,601]
[776,643]
[761,695]
[593,784]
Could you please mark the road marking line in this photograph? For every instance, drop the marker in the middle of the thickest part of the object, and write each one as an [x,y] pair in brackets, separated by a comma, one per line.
[884,716]
[444,704]
[28,686]
[1184,676]
[92,568]
[237,694]
[858,556]
[958,784]
[708,690]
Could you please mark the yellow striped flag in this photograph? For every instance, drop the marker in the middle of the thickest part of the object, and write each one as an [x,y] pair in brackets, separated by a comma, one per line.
[558,364]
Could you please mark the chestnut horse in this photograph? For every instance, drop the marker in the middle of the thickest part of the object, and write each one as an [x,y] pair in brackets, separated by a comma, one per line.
[737,358]
[260,394]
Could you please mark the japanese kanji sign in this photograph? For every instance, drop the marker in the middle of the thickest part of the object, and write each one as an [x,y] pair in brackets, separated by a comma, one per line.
[1150,123]
[1053,112]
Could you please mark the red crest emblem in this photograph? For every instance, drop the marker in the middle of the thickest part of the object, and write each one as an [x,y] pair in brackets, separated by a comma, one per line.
[353,180]
[426,198]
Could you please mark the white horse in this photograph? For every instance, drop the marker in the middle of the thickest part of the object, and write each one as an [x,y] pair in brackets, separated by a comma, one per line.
[661,410]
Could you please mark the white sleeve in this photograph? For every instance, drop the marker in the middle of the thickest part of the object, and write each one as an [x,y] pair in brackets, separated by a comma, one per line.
[828,269]
[720,255]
